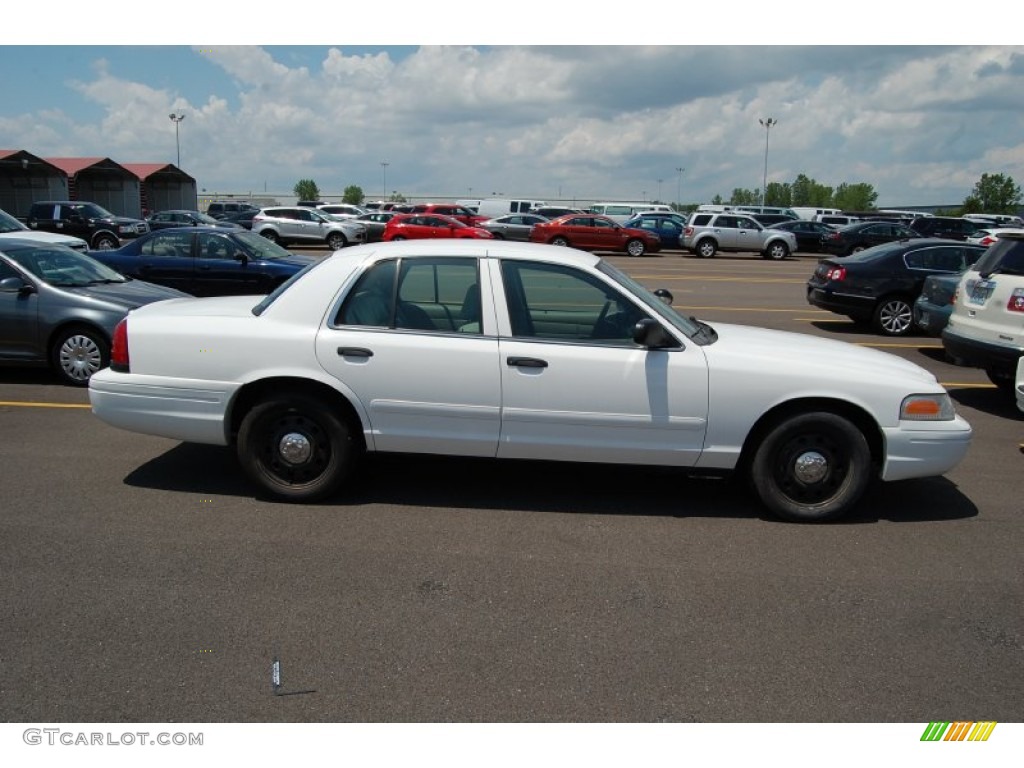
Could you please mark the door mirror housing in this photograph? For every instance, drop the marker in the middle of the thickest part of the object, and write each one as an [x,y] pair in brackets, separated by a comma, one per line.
[16,285]
[652,334]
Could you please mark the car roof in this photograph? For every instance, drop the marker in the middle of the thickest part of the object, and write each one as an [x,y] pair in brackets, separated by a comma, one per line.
[15,243]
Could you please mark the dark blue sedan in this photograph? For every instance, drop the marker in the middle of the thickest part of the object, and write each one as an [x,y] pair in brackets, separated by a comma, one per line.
[206,261]
[668,226]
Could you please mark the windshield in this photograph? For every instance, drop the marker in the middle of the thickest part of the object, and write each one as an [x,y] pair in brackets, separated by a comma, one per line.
[205,219]
[93,211]
[10,224]
[652,302]
[270,298]
[61,266]
[260,247]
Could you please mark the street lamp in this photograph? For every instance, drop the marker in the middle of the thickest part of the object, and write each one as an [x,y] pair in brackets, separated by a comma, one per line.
[679,189]
[384,172]
[177,139]
[659,190]
[767,130]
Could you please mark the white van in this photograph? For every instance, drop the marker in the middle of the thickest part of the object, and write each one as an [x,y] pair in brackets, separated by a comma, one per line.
[836,220]
[493,207]
[808,213]
[623,212]
[774,210]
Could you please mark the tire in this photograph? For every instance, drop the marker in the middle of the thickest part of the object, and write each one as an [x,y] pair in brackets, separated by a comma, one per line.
[1002,379]
[321,442]
[835,473]
[271,235]
[336,241]
[396,238]
[706,248]
[105,242]
[636,248]
[559,241]
[776,251]
[498,235]
[894,316]
[858,249]
[77,353]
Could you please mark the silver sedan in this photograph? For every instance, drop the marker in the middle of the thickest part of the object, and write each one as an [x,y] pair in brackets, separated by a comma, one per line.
[512,226]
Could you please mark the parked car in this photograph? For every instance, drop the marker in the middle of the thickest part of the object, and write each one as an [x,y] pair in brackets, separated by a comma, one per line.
[591,232]
[935,304]
[300,224]
[667,226]
[96,225]
[242,218]
[220,209]
[986,327]
[861,235]
[949,227]
[555,211]
[420,226]
[881,284]
[493,350]
[206,261]
[375,221]
[808,233]
[168,219]
[989,235]
[767,219]
[10,227]
[59,307]
[451,210]
[512,226]
[707,233]
[342,209]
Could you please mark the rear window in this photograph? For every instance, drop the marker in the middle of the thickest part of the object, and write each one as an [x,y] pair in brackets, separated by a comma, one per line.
[1005,256]
[701,219]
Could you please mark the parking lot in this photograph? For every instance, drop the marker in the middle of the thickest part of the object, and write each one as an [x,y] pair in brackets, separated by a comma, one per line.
[144,581]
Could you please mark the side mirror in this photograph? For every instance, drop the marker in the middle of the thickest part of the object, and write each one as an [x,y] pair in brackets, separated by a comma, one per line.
[651,334]
[16,285]
[242,257]
[665,295]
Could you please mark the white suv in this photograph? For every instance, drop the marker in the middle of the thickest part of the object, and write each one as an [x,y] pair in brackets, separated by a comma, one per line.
[986,329]
[299,224]
[707,233]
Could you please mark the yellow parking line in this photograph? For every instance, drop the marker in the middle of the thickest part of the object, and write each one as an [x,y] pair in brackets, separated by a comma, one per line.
[42,405]
[966,385]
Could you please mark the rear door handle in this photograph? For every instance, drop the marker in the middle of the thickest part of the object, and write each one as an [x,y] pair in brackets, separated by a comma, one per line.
[354,352]
[526,362]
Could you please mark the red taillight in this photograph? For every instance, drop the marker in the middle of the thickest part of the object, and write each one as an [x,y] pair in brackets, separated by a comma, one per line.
[1016,302]
[119,348]
[688,231]
[835,273]
[987,240]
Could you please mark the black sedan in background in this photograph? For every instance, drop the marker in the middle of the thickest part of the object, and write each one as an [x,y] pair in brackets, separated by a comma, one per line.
[808,233]
[865,234]
[206,261]
[168,219]
[881,284]
[59,307]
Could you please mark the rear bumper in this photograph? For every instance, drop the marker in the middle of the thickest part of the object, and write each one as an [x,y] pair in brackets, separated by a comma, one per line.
[860,307]
[1000,358]
[925,449]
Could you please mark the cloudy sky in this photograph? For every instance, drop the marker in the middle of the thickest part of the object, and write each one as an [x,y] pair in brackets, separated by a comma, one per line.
[568,122]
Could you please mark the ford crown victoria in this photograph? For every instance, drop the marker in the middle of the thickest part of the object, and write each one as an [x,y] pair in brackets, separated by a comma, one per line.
[520,351]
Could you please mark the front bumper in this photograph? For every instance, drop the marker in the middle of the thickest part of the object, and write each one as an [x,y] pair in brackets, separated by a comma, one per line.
[925,449]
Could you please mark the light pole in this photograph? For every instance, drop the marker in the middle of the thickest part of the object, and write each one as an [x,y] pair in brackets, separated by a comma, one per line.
[177,139]
[659,191]
[767,130]
[679,189]
[384,173]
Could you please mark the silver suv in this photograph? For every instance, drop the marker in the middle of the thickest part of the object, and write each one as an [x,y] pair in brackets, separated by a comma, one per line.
[299,224]
[707,233]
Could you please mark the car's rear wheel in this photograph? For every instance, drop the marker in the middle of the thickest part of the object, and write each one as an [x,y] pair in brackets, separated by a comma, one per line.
[105,242]
[636,248]
[296,448]
[271,235]
[811,467]
[1002,379]
[776,251]
[396,238]
[706,248]
[858,248]
[561,241]
[498,235]
[336,241]
[77,353]
[894,316]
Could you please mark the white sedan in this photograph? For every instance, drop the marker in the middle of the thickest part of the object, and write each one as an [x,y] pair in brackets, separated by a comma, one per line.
[483,348]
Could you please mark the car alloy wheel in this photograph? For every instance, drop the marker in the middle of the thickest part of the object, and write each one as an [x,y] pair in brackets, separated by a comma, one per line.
[271,235]
[706,248]
[336,241]
[105,243]
[635,248]
[811,467]
[560,241]
[894,317]
[777,251]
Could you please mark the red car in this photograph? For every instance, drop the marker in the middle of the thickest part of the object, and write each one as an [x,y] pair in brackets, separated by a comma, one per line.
[457,212]
[417,226]
[595,233]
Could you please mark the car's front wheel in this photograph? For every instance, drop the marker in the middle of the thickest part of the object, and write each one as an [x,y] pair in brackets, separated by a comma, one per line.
[336,241]
[706,248]
[78,353]
[296,448]
[105,242]
[561,241]
[811,467]
[776,251]
[636,248]
[894,316]
[271,235]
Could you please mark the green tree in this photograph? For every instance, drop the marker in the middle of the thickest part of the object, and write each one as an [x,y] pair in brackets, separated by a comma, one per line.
[717,200]
[397,197]
[994,193]
[855,197]
[778,194]
[353,195]
[744,197]
[806,191]
[306,189]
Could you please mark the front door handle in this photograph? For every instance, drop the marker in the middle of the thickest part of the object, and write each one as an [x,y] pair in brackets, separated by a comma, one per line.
[526,362]
[354,352]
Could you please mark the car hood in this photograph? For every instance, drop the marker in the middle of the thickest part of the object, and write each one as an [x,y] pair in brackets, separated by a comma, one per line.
[813,360]
[45,237]
[129,295]
[293,260]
